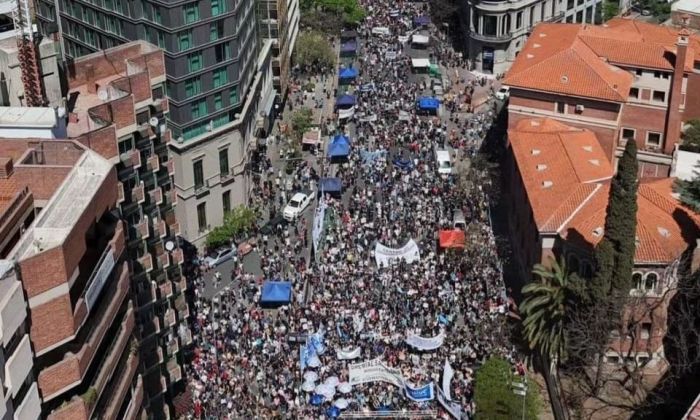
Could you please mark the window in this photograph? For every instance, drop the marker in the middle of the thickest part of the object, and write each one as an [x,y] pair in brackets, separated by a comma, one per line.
[220,77]
[634,93]
[613,359]
[199,108]
[639,72]
[233,96]
[185,40]
[226,201]
[218,102]
[653,139]
[561,107]
[202,216]
[586,271]
[157,18]
[222,52]
[221,120]
[126,145]
[490,25]
[659,96]
[194,62]
[216,30]
[518,20]
[198,169]
[650,281]
[628,133]
[223,162]
[646,330]
[218,7]
[192,87]
[191,13]
[637,280]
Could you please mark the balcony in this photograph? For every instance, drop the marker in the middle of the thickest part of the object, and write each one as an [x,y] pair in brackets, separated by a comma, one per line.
[30,407]
[173,197]
[120,193]
[156,196]
[18,366]
[142,230]
[153,163]
[160,105]
[174,229]
[56,379]
[174,371]
[13,309]
[131,159]
[185,336]
[169,318]
[151,327]
[165,289]
[166,137]
[160,229]
[120,386]
[170,164]
[134,407]
[172,347]
[178,256]
[114,353]
[491,38]
[180,285]
[183,309]
[146,296]
[146,263]
[138,193]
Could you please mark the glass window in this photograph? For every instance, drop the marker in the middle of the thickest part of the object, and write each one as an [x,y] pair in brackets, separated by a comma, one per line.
[634,93]
[202,216]
[218,102]
[659,96]
[518,20]
[199,109]
[192,86]
[637,280]
[185,40]
[561,107]
[223,162]
[218,7]
[221,120]
[222,52]
[233,96]
[650,281]
[220,77]
[216,30]
[191,13]
[628,133]
[194,62]
[226,201]
[198,169]
[653,139]
[646,330]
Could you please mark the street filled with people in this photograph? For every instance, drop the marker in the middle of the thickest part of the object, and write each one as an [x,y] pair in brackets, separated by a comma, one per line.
[397,291]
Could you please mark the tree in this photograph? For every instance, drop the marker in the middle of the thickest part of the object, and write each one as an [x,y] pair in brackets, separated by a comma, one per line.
[314,51]
[302,120]
[494,397]
[610,10]
[351,11]
[236,222]
[615,253]
[545,307]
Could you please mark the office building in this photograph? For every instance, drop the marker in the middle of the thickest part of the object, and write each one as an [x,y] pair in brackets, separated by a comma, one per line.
[627,79]
[496,30]
[279,22]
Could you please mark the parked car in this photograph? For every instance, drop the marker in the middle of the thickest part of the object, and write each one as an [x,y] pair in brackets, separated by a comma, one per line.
[219,256]
[299,202]
[503,93]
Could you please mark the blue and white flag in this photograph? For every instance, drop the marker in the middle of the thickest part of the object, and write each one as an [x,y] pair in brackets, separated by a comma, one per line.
[420,394]
[453,408]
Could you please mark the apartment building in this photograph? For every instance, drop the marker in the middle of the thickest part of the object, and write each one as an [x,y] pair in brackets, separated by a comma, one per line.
[560,179]
[496,30]
[625,79]
[20,393]
[120,110]
[279,22]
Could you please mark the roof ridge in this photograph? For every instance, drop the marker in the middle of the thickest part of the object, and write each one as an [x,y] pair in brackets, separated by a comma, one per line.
[591,65]
[585,201]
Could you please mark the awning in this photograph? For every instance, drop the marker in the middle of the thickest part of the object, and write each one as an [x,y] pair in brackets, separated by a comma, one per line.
[312,137]
[420,39]
[420,62]
[345,100]
[330,185]
[348,73]
[427,102]
[452,239]
[276,292]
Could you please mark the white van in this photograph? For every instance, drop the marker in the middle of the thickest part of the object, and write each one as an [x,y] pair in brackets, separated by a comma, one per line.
[443,162]
[458,220]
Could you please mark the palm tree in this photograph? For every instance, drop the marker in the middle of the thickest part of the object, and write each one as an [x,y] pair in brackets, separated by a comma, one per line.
[545,307]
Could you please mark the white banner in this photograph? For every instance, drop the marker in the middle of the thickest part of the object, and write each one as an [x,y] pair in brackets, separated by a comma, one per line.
[447,374]
[422,343]
[381,30]
[404,38]
[346,113]
[454,409]
[383,255]
[318,223]
[349,354]
[404,116]
[374,371]
[368,118]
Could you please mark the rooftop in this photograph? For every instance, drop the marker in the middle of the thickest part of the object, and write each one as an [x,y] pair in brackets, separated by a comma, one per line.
[566,176]
[688,6]
[589,61]
[27,117]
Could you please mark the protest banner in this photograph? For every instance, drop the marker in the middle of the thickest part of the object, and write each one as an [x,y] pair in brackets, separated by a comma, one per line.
[425,344]
[453,408]
[374,371]
[349,354]
[420,394]
[383,255]
[447,374]
[346,113]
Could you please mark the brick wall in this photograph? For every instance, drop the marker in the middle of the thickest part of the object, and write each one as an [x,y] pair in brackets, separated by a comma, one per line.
[643,120]
[592,109]
[43,181]
[75,410]
[104,63]
[102,141]
[123,112]
[51,322]
[692,98]
[155,62]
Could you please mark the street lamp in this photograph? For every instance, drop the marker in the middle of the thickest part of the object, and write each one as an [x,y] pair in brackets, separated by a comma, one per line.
[520,388]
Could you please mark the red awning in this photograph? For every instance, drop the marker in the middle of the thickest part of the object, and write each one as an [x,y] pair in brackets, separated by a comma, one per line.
[452,239]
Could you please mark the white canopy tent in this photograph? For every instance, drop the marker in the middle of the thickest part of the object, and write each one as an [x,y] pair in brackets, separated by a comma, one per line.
[419,39]
[420,63]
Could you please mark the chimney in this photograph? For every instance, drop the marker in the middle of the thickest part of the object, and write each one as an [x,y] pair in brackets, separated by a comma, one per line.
[674,118]
[90,78]
[6,167]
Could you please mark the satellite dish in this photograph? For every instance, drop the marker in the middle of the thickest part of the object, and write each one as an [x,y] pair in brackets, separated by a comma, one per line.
[170,245]
[103,94]
[153,121]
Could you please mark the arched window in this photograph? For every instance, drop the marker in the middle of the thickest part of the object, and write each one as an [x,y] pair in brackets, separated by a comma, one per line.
[650,281]
[573,263]
[637,280]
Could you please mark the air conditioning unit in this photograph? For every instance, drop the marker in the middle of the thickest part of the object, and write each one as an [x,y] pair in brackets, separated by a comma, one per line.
[580,108]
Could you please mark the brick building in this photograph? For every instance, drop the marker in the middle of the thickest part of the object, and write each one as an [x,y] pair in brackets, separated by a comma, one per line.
[624,79]
[560,178]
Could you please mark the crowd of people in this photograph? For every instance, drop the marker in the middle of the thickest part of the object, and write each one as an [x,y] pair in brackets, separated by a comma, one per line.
[247,358]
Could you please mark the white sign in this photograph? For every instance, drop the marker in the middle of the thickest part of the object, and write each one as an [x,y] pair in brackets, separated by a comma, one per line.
[422,343]
[404,116]
[100,278]
[404,38]
[374,371]
[447,374]
[346,113]
[381,30]
[349,354]
[383,255]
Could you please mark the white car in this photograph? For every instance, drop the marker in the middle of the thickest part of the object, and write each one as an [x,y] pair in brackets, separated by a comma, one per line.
[503,93]
[296,206]
[219,256]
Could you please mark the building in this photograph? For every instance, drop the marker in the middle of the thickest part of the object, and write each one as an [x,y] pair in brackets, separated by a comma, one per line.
[118,109]
[625,79]
[686,13]
[20,395]
[210,50]
[560,183]
[211,173]
[496,30]
[280,23]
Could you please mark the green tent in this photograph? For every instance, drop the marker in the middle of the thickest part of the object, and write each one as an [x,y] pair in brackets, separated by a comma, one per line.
[434,70]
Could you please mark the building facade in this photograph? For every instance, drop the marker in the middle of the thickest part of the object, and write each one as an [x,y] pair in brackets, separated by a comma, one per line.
[210,50]
[496,30]
[280,23]
[560,179]
[627,79]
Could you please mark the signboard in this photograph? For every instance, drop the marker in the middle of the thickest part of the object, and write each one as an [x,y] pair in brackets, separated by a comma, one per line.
[383,255]
[99,278]
[374,371]
[346,113]
[422,343]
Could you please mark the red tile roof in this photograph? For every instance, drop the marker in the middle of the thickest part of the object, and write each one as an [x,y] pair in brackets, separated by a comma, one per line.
[581,60]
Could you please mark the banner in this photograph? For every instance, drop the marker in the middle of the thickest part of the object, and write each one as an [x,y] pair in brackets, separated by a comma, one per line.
[374,371]
[318,223]
[425,344]
[383,255]
[346,113]
[404,38]
[349,354]
[404,116]
[421,394]
[447,374]
[453,408]
[368,118]
[314,346]
[381,30]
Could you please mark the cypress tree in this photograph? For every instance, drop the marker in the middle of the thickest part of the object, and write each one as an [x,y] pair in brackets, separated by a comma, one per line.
[615,253]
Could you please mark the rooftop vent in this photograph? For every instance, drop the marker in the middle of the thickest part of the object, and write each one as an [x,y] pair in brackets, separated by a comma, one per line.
[536,45]
[565,79]
[547,184]
[595,162]
[530,56]
[598,232]
[541,167]
[542,34]
[535,152]
[663,232]
[588,148]
[534,123]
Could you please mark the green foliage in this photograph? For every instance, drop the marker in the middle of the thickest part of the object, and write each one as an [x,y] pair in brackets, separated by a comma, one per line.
[494,397]
[545,308]
[90,396]
[302,120]
[691,136]
[350,11]
[236,222]
[615,253]
[610,10]
[313,49]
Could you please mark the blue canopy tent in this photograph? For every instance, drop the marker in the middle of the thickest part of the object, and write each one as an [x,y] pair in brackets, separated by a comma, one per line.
[345,101]
[339,147]
[419,21]
[276,293]
[427,103]
[348,48]
[347,73]
[330,185]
